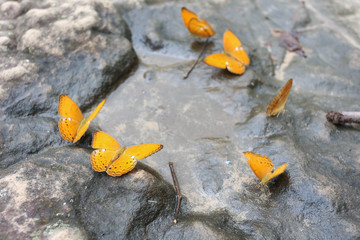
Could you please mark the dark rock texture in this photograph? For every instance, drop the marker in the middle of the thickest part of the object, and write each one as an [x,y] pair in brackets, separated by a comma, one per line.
[86,49]
[136,206]
[64,47]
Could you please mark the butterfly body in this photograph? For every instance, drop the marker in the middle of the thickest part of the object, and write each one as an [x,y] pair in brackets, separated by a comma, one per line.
[234,58]
[197,27]
[277,105]
[263,167]
[73,125]
[109,156]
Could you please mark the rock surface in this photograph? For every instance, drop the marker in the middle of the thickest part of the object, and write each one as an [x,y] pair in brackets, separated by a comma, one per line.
[86,49]
[57,48]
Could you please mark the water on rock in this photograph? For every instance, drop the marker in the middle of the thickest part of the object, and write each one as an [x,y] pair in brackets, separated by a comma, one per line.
[135,53]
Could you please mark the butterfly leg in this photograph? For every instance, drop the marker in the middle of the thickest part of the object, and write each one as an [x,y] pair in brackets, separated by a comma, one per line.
[267,189]
[278,114]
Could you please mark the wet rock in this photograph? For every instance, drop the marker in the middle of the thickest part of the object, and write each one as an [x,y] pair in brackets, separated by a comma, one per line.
[80,49]
[196,230]
[64,47]
[125,207]
[205,122]
[40,192]
[57,193]
[20,138]
[194,121]
[153,41]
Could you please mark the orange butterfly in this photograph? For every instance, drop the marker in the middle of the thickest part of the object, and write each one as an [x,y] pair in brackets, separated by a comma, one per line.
[196,26]
[117,160]
[234,57]
[73,125]
[277,105]
[263,167]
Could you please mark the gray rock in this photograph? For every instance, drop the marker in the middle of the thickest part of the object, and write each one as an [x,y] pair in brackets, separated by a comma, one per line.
[10,9]
[41,194]
[61,48]
[64,47]
[21,137]
[208,120]
[4,41]
[138,205]
[83,48]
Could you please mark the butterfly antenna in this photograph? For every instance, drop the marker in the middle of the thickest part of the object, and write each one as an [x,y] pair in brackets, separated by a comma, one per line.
[197,60]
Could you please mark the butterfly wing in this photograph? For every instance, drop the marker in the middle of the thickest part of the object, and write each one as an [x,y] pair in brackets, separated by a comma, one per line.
[277,172]
[278,103]
[128,159]
[143,150]
[240,55]
[200,28]
[217,60]
[187,15]
[124,164]
[96,111]
[196,26]
[230,41]
[235,66]
[260,164]
[101,159]
[68,128]
[220,60]
[232,46]
[72,116]
[68,108]
[81,130]
[107,149]
[84,125]
[102,140]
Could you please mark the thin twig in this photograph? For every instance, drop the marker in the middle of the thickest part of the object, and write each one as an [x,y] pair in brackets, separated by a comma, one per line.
[197,60]
[177,188]
[343,117]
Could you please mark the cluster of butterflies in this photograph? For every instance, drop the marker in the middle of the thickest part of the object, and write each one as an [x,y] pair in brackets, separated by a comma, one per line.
[109,156]
[235,59]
